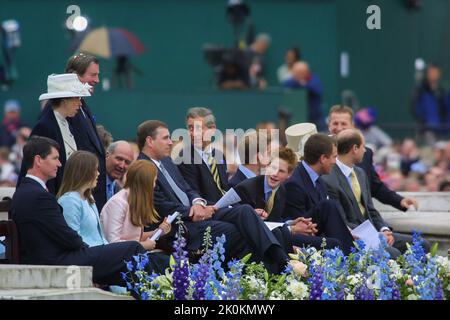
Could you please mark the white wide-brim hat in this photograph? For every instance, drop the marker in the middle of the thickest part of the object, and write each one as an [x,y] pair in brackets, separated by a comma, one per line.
[65,85]
[298,134]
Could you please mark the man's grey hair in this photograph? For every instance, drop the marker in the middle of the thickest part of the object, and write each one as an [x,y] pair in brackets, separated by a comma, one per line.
[205,113]
[263,37]
[112,147]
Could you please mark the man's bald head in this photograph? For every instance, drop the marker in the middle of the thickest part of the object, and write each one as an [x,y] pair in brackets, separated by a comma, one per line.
[351,144]
[119,156]
[300,70]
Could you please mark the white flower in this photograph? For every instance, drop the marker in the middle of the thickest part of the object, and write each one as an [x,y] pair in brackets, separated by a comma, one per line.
[412,297]
[317,257]
[396,271]
[444,263]
[354,280]
[299,268]
[256,284]
[350,297]
[276,295]
[298,289]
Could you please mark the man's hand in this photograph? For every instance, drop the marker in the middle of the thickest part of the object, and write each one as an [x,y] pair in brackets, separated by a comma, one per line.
[304,226]
[197,213]
[262,213]
[407,202]
[389,237]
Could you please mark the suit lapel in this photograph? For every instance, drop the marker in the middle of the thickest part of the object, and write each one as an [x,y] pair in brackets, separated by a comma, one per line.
[344,184]
[307,182]
[349,192]
[91,129]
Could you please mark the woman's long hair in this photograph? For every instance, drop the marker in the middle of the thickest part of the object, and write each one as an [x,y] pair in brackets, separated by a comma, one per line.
[80,170]
[140,181]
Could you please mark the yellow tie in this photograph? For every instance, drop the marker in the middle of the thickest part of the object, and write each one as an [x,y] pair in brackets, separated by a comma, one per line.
[357,192]
[214,172]
[270,201]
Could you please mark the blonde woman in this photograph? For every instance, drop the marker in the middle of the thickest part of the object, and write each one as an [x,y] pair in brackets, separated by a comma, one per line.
[126,214]
[75,196]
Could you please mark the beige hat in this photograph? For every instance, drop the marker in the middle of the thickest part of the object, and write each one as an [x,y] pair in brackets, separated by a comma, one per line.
[65,85]
[298,134]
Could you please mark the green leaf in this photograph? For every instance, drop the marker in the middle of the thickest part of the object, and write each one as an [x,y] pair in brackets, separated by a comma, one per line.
[293,256]
[266,275]
[172,262]
[434,249]
[282,279]
[245,259]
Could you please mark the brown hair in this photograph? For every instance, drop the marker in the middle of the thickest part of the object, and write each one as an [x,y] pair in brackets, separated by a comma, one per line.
[148,129]
[80,169]
[141,176]
[317,145]
[339,108]
[346,141]
[288,155]
[79,63]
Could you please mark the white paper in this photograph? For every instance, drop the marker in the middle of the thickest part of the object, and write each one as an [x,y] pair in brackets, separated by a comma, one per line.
[367,233]
[228,199]
[273,225]
[158,232]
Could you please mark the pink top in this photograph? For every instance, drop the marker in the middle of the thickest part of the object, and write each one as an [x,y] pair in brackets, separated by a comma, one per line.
[116,222]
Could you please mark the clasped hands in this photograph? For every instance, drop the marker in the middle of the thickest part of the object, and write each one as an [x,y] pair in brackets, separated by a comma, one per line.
[304,226]
[201,213]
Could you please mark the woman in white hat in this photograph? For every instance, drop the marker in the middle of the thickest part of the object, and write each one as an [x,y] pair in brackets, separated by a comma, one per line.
[64,92]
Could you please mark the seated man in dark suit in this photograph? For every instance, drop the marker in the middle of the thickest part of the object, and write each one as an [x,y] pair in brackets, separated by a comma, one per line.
[306,194]
[348,185]
[253,150]
[203,166]
[267,195]
[340,118]
[45,237]
[242,228]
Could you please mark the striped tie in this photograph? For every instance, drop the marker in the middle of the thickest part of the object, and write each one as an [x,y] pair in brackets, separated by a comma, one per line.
[212,163]
[270,201]
[356,188]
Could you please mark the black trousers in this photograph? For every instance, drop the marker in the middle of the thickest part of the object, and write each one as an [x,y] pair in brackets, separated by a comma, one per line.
[330,223]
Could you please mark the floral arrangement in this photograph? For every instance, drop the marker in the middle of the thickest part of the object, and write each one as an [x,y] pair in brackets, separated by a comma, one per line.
[312,274]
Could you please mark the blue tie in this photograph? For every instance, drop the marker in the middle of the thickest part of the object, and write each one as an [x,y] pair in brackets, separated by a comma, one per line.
[110,190]
[181,195]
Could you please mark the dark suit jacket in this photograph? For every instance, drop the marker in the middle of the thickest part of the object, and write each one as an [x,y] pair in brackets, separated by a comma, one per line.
[237,178]
[301,195]
[45,237]
[251,191]
[377,187]
[166,202]
[340,190]
[47,126]
[196,173]
[86,137]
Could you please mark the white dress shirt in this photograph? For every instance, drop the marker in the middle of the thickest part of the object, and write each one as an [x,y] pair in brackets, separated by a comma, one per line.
[69,141]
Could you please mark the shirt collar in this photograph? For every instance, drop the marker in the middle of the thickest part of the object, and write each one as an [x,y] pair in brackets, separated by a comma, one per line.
[59,117]
[312,174]
[268,188]
[38,180]
[346,170]
[157,163]
[246,171]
